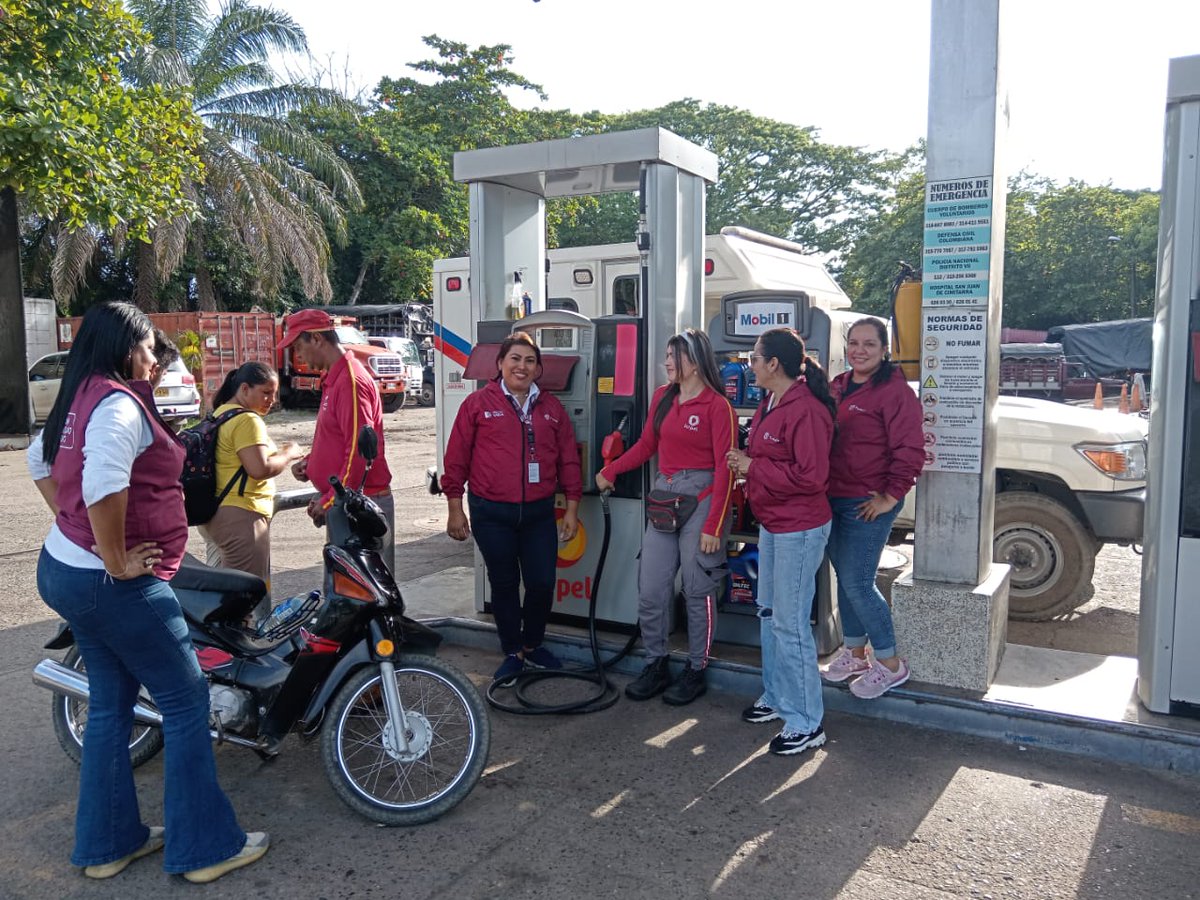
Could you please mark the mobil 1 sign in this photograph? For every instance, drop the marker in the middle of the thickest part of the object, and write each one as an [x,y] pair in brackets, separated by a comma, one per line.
[952,388]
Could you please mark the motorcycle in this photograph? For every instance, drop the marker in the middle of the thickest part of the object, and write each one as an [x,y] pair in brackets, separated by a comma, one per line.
[404,736]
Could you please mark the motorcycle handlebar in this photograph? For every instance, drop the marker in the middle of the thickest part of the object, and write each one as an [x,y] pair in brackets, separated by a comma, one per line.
[338,488]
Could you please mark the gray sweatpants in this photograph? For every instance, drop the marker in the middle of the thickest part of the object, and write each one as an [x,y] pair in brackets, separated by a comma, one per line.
[665,554]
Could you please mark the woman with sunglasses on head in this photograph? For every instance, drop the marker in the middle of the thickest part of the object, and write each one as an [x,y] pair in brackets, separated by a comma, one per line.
[511,450]
[877,456]
[786,467]
[691,427]
[109,470]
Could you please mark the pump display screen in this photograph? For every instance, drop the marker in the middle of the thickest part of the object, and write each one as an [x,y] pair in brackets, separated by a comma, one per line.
[558,338]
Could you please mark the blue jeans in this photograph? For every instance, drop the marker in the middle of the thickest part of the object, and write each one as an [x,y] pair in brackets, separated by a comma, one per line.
[132,633]
[787,583]
[854,549]
[518,541]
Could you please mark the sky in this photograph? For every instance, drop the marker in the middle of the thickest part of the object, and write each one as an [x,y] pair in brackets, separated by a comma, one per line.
[1086,80]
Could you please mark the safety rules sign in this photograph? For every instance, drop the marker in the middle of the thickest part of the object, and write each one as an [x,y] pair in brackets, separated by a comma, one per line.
[952,388]
[958,236]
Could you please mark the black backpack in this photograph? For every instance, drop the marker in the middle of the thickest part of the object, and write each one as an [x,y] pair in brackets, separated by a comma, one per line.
[199,475]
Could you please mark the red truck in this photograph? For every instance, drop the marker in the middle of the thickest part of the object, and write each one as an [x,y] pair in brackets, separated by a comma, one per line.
[299,384]
[1043,370]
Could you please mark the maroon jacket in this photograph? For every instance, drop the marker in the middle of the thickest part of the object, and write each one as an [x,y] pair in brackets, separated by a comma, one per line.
[489,449]
[349,401]
[154,511]
[879,445]
[788,479]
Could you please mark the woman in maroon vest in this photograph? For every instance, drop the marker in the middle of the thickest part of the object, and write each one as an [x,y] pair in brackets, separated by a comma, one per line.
[109,469]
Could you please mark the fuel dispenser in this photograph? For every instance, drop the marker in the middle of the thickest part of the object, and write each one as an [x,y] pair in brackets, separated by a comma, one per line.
[599,368]
[1169,622]
[595,368]
[734,330]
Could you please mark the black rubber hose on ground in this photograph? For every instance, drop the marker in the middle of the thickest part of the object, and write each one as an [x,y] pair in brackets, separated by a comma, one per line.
[606,694]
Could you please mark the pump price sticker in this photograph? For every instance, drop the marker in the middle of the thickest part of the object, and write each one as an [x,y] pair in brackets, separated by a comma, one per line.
[958,232]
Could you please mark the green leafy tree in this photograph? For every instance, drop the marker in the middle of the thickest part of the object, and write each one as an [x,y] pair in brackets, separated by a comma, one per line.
[79,144]
[774,177]
[272,187]
[401,150]
[1070,254]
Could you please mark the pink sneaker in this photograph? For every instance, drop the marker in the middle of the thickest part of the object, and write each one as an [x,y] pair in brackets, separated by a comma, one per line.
[879,680]
[845,665]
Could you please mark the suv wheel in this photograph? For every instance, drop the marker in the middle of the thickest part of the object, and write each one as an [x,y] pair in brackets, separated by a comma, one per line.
[1052,554]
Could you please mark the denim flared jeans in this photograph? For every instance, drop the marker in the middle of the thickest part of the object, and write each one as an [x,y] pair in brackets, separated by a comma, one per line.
[787,583]
[133,633]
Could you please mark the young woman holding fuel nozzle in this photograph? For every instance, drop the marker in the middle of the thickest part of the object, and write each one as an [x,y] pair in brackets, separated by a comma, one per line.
[786,467]
[878,454]
[691,427]
[511,449]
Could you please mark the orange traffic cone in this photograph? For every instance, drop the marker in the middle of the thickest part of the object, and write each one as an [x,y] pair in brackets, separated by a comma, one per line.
[1098,398]
[1135,398]
[1123,405]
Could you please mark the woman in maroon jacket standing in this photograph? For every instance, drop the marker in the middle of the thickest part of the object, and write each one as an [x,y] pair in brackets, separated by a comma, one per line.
[513,447]
[690,428]
[877,455]
[786,467]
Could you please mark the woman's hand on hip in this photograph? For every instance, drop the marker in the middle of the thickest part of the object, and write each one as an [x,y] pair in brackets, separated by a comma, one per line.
[878,505]
[457,525]
[709,543]
[139,560]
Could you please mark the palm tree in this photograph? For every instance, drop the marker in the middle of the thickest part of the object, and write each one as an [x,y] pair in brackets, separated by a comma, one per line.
[268,182]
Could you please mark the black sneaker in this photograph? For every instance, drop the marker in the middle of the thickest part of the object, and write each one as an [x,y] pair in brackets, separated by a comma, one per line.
[687,687]
[506,675]
[756,714]
[785,744]
[653,680]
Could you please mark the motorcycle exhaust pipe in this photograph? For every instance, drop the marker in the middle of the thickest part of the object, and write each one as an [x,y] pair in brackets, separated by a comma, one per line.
[60,679]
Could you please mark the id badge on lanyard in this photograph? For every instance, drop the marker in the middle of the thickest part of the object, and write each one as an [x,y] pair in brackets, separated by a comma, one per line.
[526,419]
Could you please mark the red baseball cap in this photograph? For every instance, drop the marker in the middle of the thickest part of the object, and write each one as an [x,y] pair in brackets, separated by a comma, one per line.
[304,320]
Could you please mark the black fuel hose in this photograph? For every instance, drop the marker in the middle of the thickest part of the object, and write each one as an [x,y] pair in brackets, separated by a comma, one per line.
[606,693]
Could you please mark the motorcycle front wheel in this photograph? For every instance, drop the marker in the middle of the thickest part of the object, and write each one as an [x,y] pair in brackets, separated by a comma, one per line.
[446,728]
[70,719]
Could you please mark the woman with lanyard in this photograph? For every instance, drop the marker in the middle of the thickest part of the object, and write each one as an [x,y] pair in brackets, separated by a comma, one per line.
[511,450]
[877,456]
[786,467]
[691,427]
[109,470]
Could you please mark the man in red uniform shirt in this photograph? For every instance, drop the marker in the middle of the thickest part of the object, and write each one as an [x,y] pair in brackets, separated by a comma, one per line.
[349,400]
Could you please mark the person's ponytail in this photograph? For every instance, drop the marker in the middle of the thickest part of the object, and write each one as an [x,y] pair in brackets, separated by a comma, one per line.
[228,388]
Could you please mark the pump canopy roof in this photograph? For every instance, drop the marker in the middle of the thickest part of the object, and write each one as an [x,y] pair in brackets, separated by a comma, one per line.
[595,164]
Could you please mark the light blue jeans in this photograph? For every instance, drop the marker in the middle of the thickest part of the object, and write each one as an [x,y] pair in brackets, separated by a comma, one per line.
[787,583]
[130,633]
[855,547]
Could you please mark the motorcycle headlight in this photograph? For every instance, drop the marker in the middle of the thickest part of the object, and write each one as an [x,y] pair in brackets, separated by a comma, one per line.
[1124,462]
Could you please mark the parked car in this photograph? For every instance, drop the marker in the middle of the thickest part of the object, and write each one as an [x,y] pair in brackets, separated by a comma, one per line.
[45,376]
[176,396]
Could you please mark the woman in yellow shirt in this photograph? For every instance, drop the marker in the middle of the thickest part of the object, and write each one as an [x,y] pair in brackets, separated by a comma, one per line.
[239,535]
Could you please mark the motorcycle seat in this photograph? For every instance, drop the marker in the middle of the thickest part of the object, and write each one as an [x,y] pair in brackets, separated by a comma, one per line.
[194,575]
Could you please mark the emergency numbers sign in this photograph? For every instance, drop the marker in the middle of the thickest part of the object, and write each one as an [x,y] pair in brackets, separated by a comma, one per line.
[952,388]
[958,239]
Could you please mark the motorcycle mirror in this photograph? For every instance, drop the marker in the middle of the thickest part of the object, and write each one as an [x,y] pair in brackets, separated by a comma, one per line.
[368,443]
